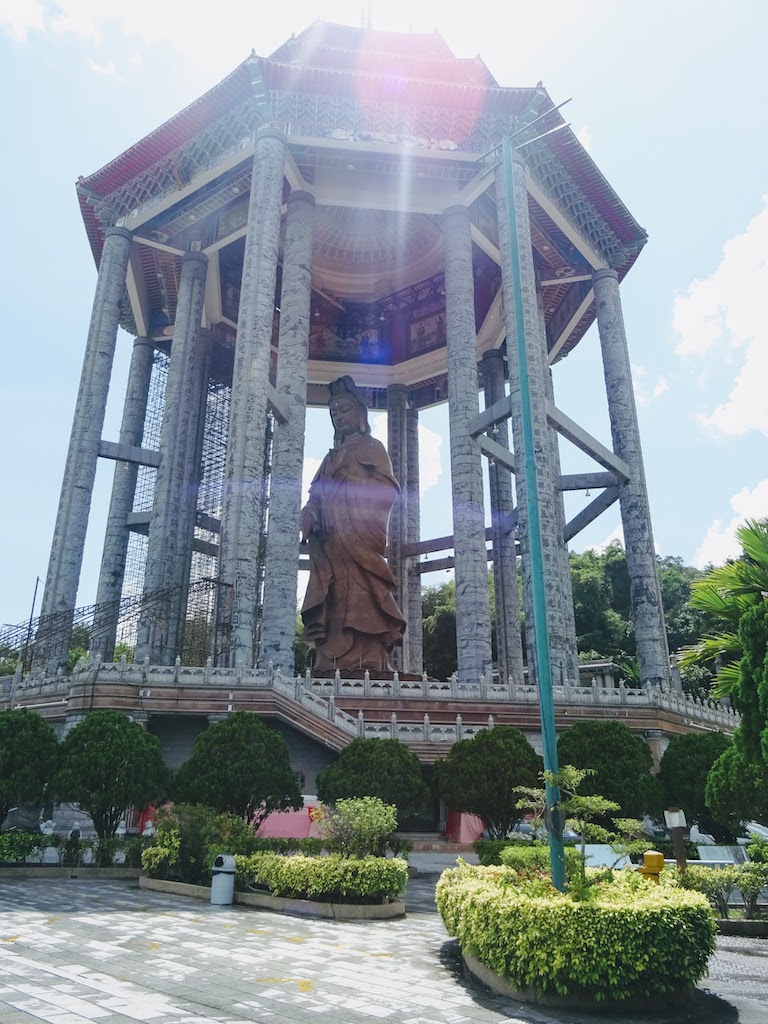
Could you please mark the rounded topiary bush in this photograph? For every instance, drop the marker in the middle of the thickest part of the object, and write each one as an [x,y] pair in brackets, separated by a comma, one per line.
[333,879]
[630,938]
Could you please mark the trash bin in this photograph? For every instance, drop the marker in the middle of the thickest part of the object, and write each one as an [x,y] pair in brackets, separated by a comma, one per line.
[223,880]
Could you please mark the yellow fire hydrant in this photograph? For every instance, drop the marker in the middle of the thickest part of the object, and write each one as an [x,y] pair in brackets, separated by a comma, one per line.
[653,865]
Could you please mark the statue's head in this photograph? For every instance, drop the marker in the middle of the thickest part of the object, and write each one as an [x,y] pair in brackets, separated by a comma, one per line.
[349,411]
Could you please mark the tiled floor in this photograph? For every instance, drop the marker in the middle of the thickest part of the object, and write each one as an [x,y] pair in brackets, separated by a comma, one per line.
[78,951]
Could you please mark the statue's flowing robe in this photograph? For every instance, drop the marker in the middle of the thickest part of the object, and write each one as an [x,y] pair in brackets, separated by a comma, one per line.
[349,611]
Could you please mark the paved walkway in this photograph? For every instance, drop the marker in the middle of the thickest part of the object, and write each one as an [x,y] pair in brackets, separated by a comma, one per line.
[74,952]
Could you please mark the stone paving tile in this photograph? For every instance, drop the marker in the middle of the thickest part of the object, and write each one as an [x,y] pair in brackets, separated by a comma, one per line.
[82,952]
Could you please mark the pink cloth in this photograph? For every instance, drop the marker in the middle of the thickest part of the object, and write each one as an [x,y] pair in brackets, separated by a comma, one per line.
[463,828]
[288,825]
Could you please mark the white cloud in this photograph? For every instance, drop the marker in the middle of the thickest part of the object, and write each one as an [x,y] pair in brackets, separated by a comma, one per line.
[308,471]
[644,392]
[720,541]
[615,534]
[722,316]
[430,450]
[19,19]
[102,69]
[430,458]
[584,135]
[746,407]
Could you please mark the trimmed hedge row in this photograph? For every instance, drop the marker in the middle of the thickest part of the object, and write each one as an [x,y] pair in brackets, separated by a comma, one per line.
[717,884]
[489,851]
[333,879]
[630,938]
[537,858]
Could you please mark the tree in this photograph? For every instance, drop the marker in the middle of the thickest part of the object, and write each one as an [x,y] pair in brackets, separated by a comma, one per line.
[302,652]
[726,593]
[595,578]
[479,776]
[622,764]
[439,617]
[108,763]
[357,827]
[683,778]
[241,766]
[736,789]
[374,767]
[79,643]
[29,753]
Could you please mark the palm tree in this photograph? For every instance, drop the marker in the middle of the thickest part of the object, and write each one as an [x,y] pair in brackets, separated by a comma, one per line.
[727,592]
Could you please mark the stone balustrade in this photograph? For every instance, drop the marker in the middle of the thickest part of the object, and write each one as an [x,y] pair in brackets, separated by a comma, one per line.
[319,696]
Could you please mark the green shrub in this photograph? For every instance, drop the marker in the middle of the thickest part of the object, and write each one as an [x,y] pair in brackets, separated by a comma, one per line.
[525,857]
[751,881]
[105,849]
[489,850]
[333,878]
[758,849]
[630,937]
[717,884]
[189,837]
[311,846]
[16,846]
[357,827]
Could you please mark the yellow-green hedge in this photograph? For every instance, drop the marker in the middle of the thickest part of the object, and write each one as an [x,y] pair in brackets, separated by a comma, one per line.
[630,938]
[333,878]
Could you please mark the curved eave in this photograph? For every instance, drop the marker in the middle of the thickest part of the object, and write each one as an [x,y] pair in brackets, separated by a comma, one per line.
[173,133]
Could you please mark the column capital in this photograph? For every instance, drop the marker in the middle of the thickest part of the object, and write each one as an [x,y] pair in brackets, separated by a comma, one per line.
[397,389]
[116,232]
[194,256]
[455,210]
[143,341]
[605,273]
[301,196]
[493,354]
[269,133]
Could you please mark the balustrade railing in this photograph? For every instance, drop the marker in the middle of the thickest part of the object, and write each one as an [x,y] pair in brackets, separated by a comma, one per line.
[319,695]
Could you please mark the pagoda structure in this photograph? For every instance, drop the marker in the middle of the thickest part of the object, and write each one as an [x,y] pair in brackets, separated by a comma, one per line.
[339,207]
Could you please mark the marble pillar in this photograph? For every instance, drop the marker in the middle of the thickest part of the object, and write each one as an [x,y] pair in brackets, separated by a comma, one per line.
[116,537]
[509,643]
[169,543]
[242,513]
[473,624]
[556,582]
[71,525]
[414,637]
[570,673]
[397,446]
[278,622]
[645,590]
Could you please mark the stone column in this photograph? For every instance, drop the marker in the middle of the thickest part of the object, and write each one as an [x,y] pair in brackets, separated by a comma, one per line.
[242,505]
[645,590]
[117,533]
[278,621]
[555,581]
[193,472]
[80,470]
[165,573]
[570,673]
[397,445]
[509,642]
[414,637]
[473,623]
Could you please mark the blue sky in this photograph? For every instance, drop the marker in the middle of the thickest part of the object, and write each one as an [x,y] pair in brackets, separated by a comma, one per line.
[671,101]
